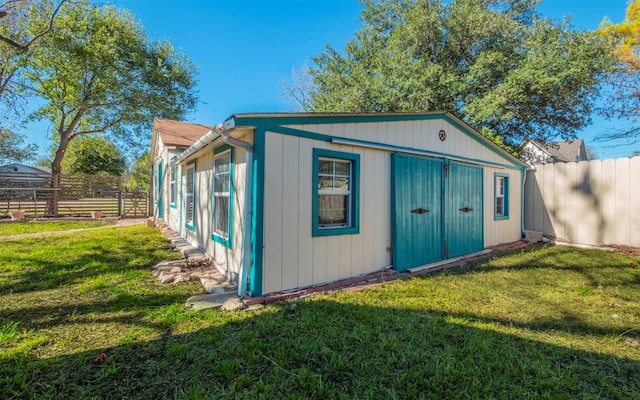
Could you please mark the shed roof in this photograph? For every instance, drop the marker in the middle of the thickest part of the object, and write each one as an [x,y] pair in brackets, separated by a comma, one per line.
[177,133]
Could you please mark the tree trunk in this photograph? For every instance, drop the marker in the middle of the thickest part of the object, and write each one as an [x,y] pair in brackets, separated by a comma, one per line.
[56,167]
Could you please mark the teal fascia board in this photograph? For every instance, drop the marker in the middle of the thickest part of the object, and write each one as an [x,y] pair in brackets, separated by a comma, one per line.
[296,119]
[227,242]
[354,226]
[257,223]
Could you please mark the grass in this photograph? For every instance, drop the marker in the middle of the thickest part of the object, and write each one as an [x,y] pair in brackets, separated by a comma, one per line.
[9,228]
[548,322]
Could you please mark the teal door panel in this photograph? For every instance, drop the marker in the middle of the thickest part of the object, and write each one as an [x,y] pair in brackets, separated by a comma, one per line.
[416,211]
[463,222]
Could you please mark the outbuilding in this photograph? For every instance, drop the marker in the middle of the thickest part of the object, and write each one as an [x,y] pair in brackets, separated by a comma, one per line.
[288,201]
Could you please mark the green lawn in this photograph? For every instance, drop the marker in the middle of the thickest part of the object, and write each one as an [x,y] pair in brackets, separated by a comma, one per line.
[548,322]
[33,226]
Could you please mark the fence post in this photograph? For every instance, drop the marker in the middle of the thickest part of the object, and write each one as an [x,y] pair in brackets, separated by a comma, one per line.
[120,202]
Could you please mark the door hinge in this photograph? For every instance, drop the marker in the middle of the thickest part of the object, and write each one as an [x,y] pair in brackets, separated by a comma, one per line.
[446,251]
[446,169]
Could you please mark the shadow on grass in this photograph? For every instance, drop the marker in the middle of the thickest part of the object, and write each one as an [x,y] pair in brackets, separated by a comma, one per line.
[327,349]
[65,260]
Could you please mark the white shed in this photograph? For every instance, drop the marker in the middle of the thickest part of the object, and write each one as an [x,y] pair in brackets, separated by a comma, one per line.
[287,201]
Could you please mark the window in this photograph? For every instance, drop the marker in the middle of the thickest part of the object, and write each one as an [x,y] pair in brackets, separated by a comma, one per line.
[172,187]
[502,196]
[190,189]
[335,193]
[222,195]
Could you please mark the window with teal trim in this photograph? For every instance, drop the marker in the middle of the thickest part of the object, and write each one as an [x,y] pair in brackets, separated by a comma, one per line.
[222,195]
[335,193]
[172,187]
[501,196]
[189,198]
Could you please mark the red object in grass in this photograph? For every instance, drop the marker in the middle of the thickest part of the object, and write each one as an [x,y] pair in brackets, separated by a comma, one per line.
[632,265]
[101,357]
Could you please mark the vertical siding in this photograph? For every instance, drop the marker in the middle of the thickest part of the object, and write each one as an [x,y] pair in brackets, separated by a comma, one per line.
[225,258]
[506,230]
[586,202]
[291,256]
[422,134]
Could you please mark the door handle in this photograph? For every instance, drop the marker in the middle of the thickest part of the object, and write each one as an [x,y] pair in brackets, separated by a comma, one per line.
[420,211]
[466,209]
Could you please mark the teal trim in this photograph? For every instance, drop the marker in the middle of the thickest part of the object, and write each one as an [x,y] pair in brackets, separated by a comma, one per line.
[388,147]
[227,242]
[299,119]
[296,119]
[159,191]
[505,205]
[299,133]
[181,200]
[523,174]
[173,177]
[192,227]
[257,224]
[354,223]
[418,152]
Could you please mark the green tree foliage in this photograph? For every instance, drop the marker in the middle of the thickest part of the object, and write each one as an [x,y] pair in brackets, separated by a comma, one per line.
[496,63]
[139,176]
[12,149]
[93,155]
[100,73]
[24,25]
[624,97]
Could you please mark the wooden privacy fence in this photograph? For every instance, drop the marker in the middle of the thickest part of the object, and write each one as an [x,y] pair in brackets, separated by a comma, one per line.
[78,195]
[595,203]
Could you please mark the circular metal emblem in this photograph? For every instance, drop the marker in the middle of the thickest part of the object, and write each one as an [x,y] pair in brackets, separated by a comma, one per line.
[442,135]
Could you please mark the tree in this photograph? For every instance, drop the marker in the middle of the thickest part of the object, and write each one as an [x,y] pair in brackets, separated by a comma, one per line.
[11,149]
[139,176]
[101,74]
[94,155]
[496,63]
[624,97]
[24,24]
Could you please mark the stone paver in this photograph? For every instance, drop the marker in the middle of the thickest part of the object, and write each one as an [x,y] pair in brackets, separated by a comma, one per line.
[194,265]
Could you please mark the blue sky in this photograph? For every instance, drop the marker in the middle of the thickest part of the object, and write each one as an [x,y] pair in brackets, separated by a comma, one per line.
[245,48]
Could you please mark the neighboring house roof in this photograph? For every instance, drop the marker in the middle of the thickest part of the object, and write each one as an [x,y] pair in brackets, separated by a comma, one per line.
[177,133]
[13,174]
[566,151]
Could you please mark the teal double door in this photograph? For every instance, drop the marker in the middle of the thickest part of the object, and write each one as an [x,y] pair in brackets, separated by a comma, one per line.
[437,210]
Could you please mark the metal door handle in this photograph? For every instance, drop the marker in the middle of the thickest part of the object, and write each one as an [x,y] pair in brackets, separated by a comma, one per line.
[466,209]
[420,211]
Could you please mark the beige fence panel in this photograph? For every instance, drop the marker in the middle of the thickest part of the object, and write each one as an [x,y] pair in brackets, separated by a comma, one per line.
[596,202]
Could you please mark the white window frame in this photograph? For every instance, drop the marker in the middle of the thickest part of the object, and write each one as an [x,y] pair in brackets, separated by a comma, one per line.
[190,195]
[173,193]
[501,202]
[223,234]
[336,192]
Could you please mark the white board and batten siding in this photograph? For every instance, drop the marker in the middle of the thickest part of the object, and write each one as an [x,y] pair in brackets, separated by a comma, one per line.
[227,259]
[293,258]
